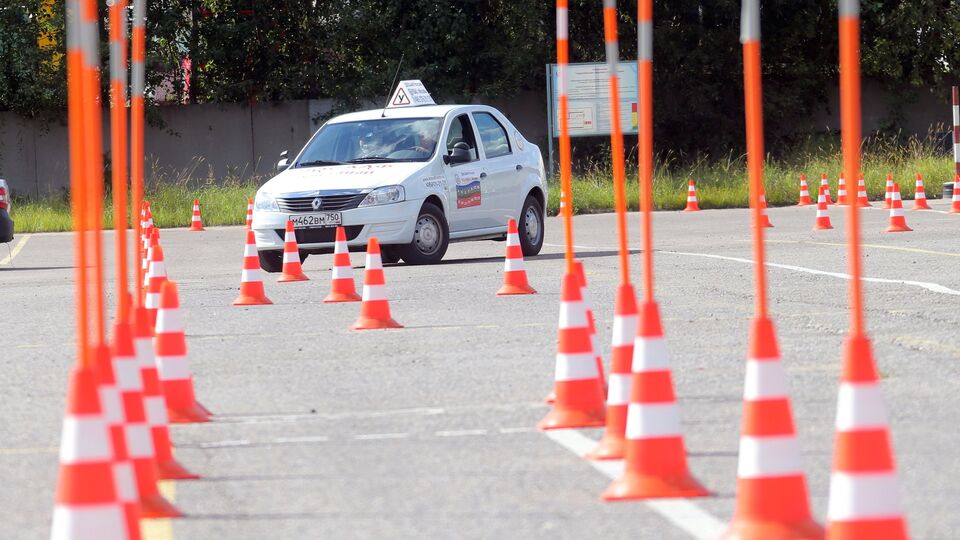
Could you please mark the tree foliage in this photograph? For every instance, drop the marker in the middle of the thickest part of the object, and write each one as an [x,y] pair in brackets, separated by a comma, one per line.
[269,50]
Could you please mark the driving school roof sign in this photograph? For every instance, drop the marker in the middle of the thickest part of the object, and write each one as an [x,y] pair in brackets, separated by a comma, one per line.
[410,94]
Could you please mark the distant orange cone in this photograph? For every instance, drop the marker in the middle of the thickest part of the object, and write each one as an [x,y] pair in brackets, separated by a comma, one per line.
[862,199]
[692,204]
[375,309]
[804,192]
[842,191]
[823,219]
[864,491]
[155,403]
[251,280]
[772,500]
[955,202]
[196,223]
[249,224]
[171,352]
[898,222]
[87,504]
[579,394]
[151,239]
[920,195]
[155,277]
[824,181]
[888,193]
[611,446]
[342,287]
[514,272]
[655,458]
[292,269]
[591,321]
[763,211]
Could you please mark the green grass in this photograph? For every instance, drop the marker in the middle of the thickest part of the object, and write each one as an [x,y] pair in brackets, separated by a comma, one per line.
[721,183]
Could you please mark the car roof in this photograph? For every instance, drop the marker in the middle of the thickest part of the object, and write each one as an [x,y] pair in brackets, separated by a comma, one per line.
[426,111]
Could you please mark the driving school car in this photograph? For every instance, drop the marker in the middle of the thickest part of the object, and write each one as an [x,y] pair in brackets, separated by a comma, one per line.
[415,175]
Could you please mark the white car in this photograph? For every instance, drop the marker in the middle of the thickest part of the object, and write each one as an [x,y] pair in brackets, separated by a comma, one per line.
[382,173]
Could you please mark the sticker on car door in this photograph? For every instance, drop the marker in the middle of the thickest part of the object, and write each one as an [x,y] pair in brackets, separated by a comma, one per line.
[469,192]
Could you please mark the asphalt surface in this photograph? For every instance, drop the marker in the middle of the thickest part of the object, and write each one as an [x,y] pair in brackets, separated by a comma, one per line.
[428,431]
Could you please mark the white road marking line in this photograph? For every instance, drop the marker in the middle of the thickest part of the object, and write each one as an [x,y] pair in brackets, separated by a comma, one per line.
[460,433]
[16,249]
[380,436]
[269,418]
[932,287]
[682,513]
[508,430]
[225,444]
[295,440]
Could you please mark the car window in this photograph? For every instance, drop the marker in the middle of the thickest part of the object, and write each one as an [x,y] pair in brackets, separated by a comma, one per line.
[462,131]
[379,140]
[492,135]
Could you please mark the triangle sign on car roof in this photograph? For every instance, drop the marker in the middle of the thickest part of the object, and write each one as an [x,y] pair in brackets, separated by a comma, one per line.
[410,94]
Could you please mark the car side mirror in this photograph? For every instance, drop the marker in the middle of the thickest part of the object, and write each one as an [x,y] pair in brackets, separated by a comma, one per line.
[284,162]
[460,153]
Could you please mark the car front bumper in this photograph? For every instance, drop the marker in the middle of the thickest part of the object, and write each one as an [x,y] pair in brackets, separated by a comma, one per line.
[389,223]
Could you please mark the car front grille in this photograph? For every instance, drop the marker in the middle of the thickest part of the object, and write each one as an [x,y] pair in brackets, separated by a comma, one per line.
[329,203]
[322,235]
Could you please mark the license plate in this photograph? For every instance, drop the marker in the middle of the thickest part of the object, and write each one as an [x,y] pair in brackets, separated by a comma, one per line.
[325,219]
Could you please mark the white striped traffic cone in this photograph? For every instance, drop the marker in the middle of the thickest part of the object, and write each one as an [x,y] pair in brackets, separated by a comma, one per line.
[514,272]
[375,308]
[824,181]
[176,379]
[251,279]
[842,191]
[249,224]
[581,276]
[898,222]
[823,219]
[804,192]
[862,199]
[920,195]
[155,277]
[342,287]
[196,223]
[888,193]
[292,269]
[692,204]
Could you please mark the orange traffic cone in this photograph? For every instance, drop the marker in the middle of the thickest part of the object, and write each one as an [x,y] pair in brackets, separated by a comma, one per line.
[842,191]
[292,270]
[375,309]
[772,501]
[864,492]
[862,199]
[826,182]
[611,446]
[86,505]
[251,281]
[172,365]
[920,195]
[898,223]
[342,288]
[763,211]
[655,459]
[123,471]
[579,394]
[888,193]
[955,201]
[591,321]
[514,273]
[139,442]
[153,401]
[249,224]
[804,192]
[151,238]
[692,205]
[196,223]
[155,277]
[823,219]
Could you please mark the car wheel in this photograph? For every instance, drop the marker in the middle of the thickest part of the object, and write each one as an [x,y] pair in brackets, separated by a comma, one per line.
[388,255]
[271,261]
[530,227]
[430,237]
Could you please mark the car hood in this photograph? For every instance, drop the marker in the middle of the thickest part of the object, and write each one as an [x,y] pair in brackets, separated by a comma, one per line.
[341,177]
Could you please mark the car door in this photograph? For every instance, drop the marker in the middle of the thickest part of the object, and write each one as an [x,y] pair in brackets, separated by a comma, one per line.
[469,203]
[500,171]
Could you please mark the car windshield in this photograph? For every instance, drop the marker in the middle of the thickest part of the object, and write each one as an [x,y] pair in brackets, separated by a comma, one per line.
[383,140]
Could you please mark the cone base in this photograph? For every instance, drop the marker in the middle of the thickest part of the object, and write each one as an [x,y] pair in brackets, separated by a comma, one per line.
[194,415]
[632,486]
[508,290]
[286,278]
[864,204]
[885,529]
[805,204]
[365,323]
[568,418]
[246,300]
[551,397]
[692,209]
[156,507]
[898,228]
[955,210]
[609,447]
[753,529]
[195,229]
[768,225]
[921,207]
[171,470]
[342,297]
[823,227]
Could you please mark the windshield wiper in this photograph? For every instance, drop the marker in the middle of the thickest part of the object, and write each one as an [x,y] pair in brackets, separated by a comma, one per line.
[372,159]
[318,163]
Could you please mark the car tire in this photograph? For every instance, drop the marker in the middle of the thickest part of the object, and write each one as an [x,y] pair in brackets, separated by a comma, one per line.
[430,237]
[271,261]
[388,255]
[530,227]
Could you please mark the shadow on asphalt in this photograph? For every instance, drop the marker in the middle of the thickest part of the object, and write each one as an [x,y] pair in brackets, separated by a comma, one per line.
[24,268]
[544,257]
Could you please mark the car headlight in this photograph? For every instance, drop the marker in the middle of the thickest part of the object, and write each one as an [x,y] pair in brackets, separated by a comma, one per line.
[265,203]
[384,195]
